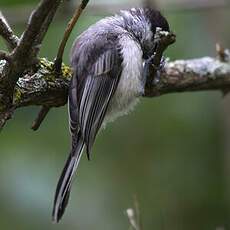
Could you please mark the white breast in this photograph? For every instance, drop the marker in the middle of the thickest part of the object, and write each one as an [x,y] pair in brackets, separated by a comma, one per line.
[131,84]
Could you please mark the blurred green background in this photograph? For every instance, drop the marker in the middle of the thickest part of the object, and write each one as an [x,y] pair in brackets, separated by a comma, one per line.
[172,152]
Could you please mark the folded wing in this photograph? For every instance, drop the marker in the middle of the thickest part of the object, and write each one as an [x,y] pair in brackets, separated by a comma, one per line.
[89,98]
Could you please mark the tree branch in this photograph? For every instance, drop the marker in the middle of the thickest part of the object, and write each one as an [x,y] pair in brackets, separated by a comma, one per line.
[45,89]
[42,88]
[41,116]
[192,75]
[4,56]
[7,33]
[34,32]
[23,58]
[44,28]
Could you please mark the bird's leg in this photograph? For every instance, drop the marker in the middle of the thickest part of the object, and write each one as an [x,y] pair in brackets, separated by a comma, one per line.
[151,71]
[153,66]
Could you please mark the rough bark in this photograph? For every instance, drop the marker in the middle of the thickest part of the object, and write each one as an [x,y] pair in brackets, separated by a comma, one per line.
[192,75]
[43,88]
[23,57]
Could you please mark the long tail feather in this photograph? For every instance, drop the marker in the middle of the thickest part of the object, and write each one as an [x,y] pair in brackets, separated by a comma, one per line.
[65,181]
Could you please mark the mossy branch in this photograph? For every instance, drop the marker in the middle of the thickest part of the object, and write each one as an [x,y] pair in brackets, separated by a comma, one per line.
[24,78]
[43,87]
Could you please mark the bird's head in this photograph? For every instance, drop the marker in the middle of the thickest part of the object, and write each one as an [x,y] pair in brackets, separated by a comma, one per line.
[142,23]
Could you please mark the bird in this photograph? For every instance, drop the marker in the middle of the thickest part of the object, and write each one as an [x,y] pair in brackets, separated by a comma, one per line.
[108,61]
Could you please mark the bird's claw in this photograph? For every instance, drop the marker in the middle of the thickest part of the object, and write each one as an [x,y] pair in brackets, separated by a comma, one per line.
[158,69]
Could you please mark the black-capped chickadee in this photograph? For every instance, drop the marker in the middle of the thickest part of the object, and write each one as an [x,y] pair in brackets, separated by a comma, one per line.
[107,61]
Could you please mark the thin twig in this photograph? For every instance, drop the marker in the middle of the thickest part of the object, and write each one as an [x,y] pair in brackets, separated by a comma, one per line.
[6,116]
[71,24]
[7,33]
[40,118]
[133,215]
[223,54]
[137,211]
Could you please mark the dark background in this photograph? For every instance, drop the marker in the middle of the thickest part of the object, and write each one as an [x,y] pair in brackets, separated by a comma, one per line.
[172,152]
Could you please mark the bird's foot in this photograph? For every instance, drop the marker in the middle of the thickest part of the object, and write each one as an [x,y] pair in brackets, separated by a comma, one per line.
[150,68]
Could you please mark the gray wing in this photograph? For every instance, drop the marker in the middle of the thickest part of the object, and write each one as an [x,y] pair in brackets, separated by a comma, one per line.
[99,86]
[72,103]
[89,97]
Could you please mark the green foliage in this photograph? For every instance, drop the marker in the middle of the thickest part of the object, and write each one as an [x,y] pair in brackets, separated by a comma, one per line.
[8,3]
